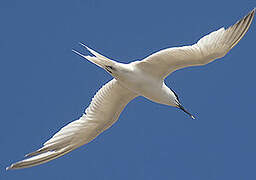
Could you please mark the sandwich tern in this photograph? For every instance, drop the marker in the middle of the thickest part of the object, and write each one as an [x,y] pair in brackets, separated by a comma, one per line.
[138,78]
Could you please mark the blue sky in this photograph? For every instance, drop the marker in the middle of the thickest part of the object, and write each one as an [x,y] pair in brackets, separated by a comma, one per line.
[44,86]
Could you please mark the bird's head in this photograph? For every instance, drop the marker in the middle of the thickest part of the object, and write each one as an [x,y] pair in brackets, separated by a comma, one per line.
[178,105]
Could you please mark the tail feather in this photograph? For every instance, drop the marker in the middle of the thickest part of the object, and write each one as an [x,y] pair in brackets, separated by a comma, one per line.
[97,59]
[92,59]
[98,55]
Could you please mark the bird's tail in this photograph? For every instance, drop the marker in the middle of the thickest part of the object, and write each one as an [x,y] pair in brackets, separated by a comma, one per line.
[39,158]
[97,59]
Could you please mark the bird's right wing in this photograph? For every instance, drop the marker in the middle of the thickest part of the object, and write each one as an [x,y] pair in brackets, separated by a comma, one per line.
[210,47]
[103,111]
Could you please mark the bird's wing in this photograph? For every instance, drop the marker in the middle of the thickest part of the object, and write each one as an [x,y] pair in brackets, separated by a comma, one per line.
[103,111]
[210,47]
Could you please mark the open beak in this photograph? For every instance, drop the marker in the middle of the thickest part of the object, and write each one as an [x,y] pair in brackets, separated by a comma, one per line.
[183,109]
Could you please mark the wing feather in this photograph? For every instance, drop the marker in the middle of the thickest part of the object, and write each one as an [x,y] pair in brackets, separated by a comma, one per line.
[103,111]
[210,47]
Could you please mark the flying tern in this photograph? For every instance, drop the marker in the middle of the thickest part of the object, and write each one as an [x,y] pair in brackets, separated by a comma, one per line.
[138,78]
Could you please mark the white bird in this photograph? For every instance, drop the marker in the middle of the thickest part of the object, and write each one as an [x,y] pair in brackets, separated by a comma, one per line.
[139,78]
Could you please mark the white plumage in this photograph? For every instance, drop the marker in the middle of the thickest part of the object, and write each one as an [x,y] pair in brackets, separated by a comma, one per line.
[139,78]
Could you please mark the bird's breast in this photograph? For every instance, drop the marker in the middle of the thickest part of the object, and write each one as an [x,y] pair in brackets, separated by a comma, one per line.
[145,85]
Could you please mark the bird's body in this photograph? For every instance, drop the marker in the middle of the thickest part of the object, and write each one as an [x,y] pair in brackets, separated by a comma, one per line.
[139,78]
[143,83]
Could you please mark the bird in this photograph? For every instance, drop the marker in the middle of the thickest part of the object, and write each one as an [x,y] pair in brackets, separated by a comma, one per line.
[138,78]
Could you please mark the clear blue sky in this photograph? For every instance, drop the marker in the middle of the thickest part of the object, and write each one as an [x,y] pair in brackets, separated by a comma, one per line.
[44,86]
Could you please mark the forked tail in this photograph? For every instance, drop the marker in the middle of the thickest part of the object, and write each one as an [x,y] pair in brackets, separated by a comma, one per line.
[97,59]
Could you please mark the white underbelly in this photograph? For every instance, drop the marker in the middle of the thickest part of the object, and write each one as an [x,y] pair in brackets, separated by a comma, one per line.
[149,88]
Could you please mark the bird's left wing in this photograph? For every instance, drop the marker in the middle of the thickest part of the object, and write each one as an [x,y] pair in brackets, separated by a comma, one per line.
[103,111]
[210,47]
